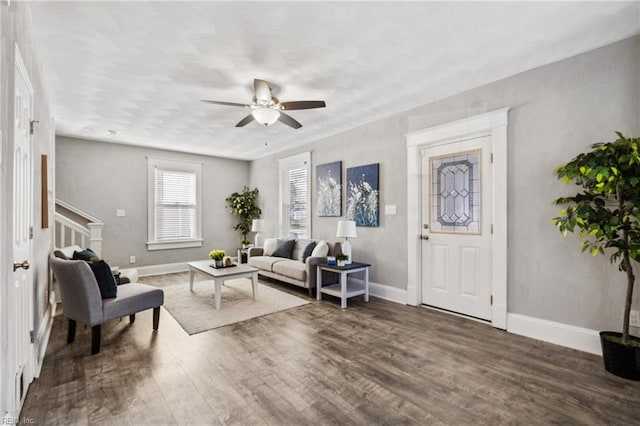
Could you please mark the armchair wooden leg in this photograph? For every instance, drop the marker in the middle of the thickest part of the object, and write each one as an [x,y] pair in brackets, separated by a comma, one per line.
[310,292]
[95,339]
[156,317]
[71,331]
[132,318]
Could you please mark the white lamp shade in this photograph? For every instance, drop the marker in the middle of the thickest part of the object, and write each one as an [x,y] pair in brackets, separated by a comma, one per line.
[265,116]
[257,225]
[347,229]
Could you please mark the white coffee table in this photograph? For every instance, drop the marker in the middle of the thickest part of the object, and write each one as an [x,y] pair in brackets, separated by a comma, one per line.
[222,274]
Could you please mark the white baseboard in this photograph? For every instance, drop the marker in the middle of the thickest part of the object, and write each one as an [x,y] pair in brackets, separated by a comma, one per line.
[582,339]
[167,268]
[42,339]
[392,294]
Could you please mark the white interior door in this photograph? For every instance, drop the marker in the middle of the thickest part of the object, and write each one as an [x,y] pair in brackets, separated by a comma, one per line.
[21,292]
[456,234]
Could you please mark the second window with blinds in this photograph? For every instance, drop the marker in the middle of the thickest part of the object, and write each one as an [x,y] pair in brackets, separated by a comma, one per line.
[174,209]
[295,199]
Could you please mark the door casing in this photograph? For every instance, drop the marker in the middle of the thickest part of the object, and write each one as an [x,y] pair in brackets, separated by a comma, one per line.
[494,125]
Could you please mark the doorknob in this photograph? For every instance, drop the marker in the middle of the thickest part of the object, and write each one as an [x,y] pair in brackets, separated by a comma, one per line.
[424,237]
[23,265]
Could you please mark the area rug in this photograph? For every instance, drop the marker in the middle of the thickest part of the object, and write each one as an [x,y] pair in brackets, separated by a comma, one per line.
[195,310]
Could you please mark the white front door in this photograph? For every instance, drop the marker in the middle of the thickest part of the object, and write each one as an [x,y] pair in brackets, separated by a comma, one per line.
[456,227]
[20,304]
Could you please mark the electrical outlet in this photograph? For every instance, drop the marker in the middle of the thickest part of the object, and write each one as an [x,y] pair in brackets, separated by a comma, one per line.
[634,319]
[132,259]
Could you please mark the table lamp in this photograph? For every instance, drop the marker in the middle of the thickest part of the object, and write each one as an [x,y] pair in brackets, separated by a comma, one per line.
[346,229]
[257,226]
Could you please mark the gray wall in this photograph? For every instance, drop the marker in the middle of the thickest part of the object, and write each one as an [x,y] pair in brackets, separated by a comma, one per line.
[556,112]
[99,178]
[14,29]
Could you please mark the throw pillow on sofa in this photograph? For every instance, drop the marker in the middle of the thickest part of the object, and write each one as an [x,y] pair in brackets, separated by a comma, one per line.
[321,249]
[308,250]
[284,248]
[270,245]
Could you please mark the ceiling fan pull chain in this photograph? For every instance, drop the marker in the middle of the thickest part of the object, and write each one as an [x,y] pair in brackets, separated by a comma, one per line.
[265,135]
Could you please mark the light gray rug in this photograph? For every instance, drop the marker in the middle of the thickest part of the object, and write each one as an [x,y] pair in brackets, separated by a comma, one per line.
[196,312]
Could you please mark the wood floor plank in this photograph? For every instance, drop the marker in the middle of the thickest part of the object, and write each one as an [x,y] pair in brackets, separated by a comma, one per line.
[318,364]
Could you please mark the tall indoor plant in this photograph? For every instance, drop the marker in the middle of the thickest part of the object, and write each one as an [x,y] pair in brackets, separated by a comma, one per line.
[607,214]
[244,205]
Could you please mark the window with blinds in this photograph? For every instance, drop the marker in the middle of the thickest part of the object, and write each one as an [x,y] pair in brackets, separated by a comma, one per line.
[295,200]
[174,204]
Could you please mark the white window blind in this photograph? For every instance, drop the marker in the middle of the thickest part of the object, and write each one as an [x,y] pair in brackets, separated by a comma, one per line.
[174,204]
[295,202]
[298,207]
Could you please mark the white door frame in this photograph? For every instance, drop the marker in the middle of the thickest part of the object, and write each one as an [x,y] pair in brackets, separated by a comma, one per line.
[494,125]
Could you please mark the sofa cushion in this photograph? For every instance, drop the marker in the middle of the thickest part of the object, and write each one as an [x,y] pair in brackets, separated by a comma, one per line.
[292,269]
[321,249]
[264,262]
[270,245]
[284,248]
[299,248]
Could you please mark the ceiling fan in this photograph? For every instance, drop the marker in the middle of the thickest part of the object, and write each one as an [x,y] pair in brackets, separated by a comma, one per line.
[266,109]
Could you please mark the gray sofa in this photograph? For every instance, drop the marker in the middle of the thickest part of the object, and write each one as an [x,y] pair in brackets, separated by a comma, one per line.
[291,270]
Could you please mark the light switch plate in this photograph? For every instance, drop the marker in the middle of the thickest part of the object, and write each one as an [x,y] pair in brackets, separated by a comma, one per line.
[120,212]
[390,209]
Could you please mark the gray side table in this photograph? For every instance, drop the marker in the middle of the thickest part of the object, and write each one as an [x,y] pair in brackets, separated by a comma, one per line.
[343,289]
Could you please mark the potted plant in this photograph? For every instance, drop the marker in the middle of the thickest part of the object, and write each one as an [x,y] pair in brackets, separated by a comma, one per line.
[245,243]
[341,258]
[244,205]
[218,257]
[607,215]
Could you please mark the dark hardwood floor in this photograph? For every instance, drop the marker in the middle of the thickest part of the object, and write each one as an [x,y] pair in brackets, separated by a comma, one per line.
[373,363]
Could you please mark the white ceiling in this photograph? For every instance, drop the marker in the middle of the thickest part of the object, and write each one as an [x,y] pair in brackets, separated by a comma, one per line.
[140,69]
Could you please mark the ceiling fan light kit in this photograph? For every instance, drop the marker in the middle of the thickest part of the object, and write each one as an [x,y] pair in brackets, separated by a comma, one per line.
[265,116]
[266,109]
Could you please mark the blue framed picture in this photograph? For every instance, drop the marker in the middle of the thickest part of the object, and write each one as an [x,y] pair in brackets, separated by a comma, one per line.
[363,195]
[329,189]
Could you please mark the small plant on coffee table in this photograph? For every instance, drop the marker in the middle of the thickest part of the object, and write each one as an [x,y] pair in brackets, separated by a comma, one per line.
[341,258]
[218,257]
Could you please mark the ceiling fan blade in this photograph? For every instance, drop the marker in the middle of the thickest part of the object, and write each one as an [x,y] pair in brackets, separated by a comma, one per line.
[262,91]
[225,103]
[289,120]
[248,119]
[288,106]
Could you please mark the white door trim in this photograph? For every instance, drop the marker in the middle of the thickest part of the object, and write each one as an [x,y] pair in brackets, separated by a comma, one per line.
[494,125]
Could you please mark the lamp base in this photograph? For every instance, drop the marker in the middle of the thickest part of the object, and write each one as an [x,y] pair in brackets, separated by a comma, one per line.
[258,240]
[346,249]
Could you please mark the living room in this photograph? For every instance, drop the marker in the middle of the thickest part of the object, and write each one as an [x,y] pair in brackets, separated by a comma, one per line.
[557,103]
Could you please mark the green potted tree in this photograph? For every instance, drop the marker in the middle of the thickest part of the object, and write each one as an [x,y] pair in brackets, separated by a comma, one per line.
[607,215]
[244,205]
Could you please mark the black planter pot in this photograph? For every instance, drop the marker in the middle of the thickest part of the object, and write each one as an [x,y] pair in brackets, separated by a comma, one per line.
[621,360]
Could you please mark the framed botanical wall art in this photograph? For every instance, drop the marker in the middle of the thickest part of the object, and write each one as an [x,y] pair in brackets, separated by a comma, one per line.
[329,189]
[363,195]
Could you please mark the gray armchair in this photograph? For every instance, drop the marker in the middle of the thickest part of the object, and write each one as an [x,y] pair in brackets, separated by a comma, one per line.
[81,300]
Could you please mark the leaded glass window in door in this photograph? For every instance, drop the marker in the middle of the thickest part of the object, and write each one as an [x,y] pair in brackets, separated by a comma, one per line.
[455,193]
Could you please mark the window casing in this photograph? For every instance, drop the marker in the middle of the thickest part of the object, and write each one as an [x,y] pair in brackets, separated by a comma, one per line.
[295,196]
[174,204]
